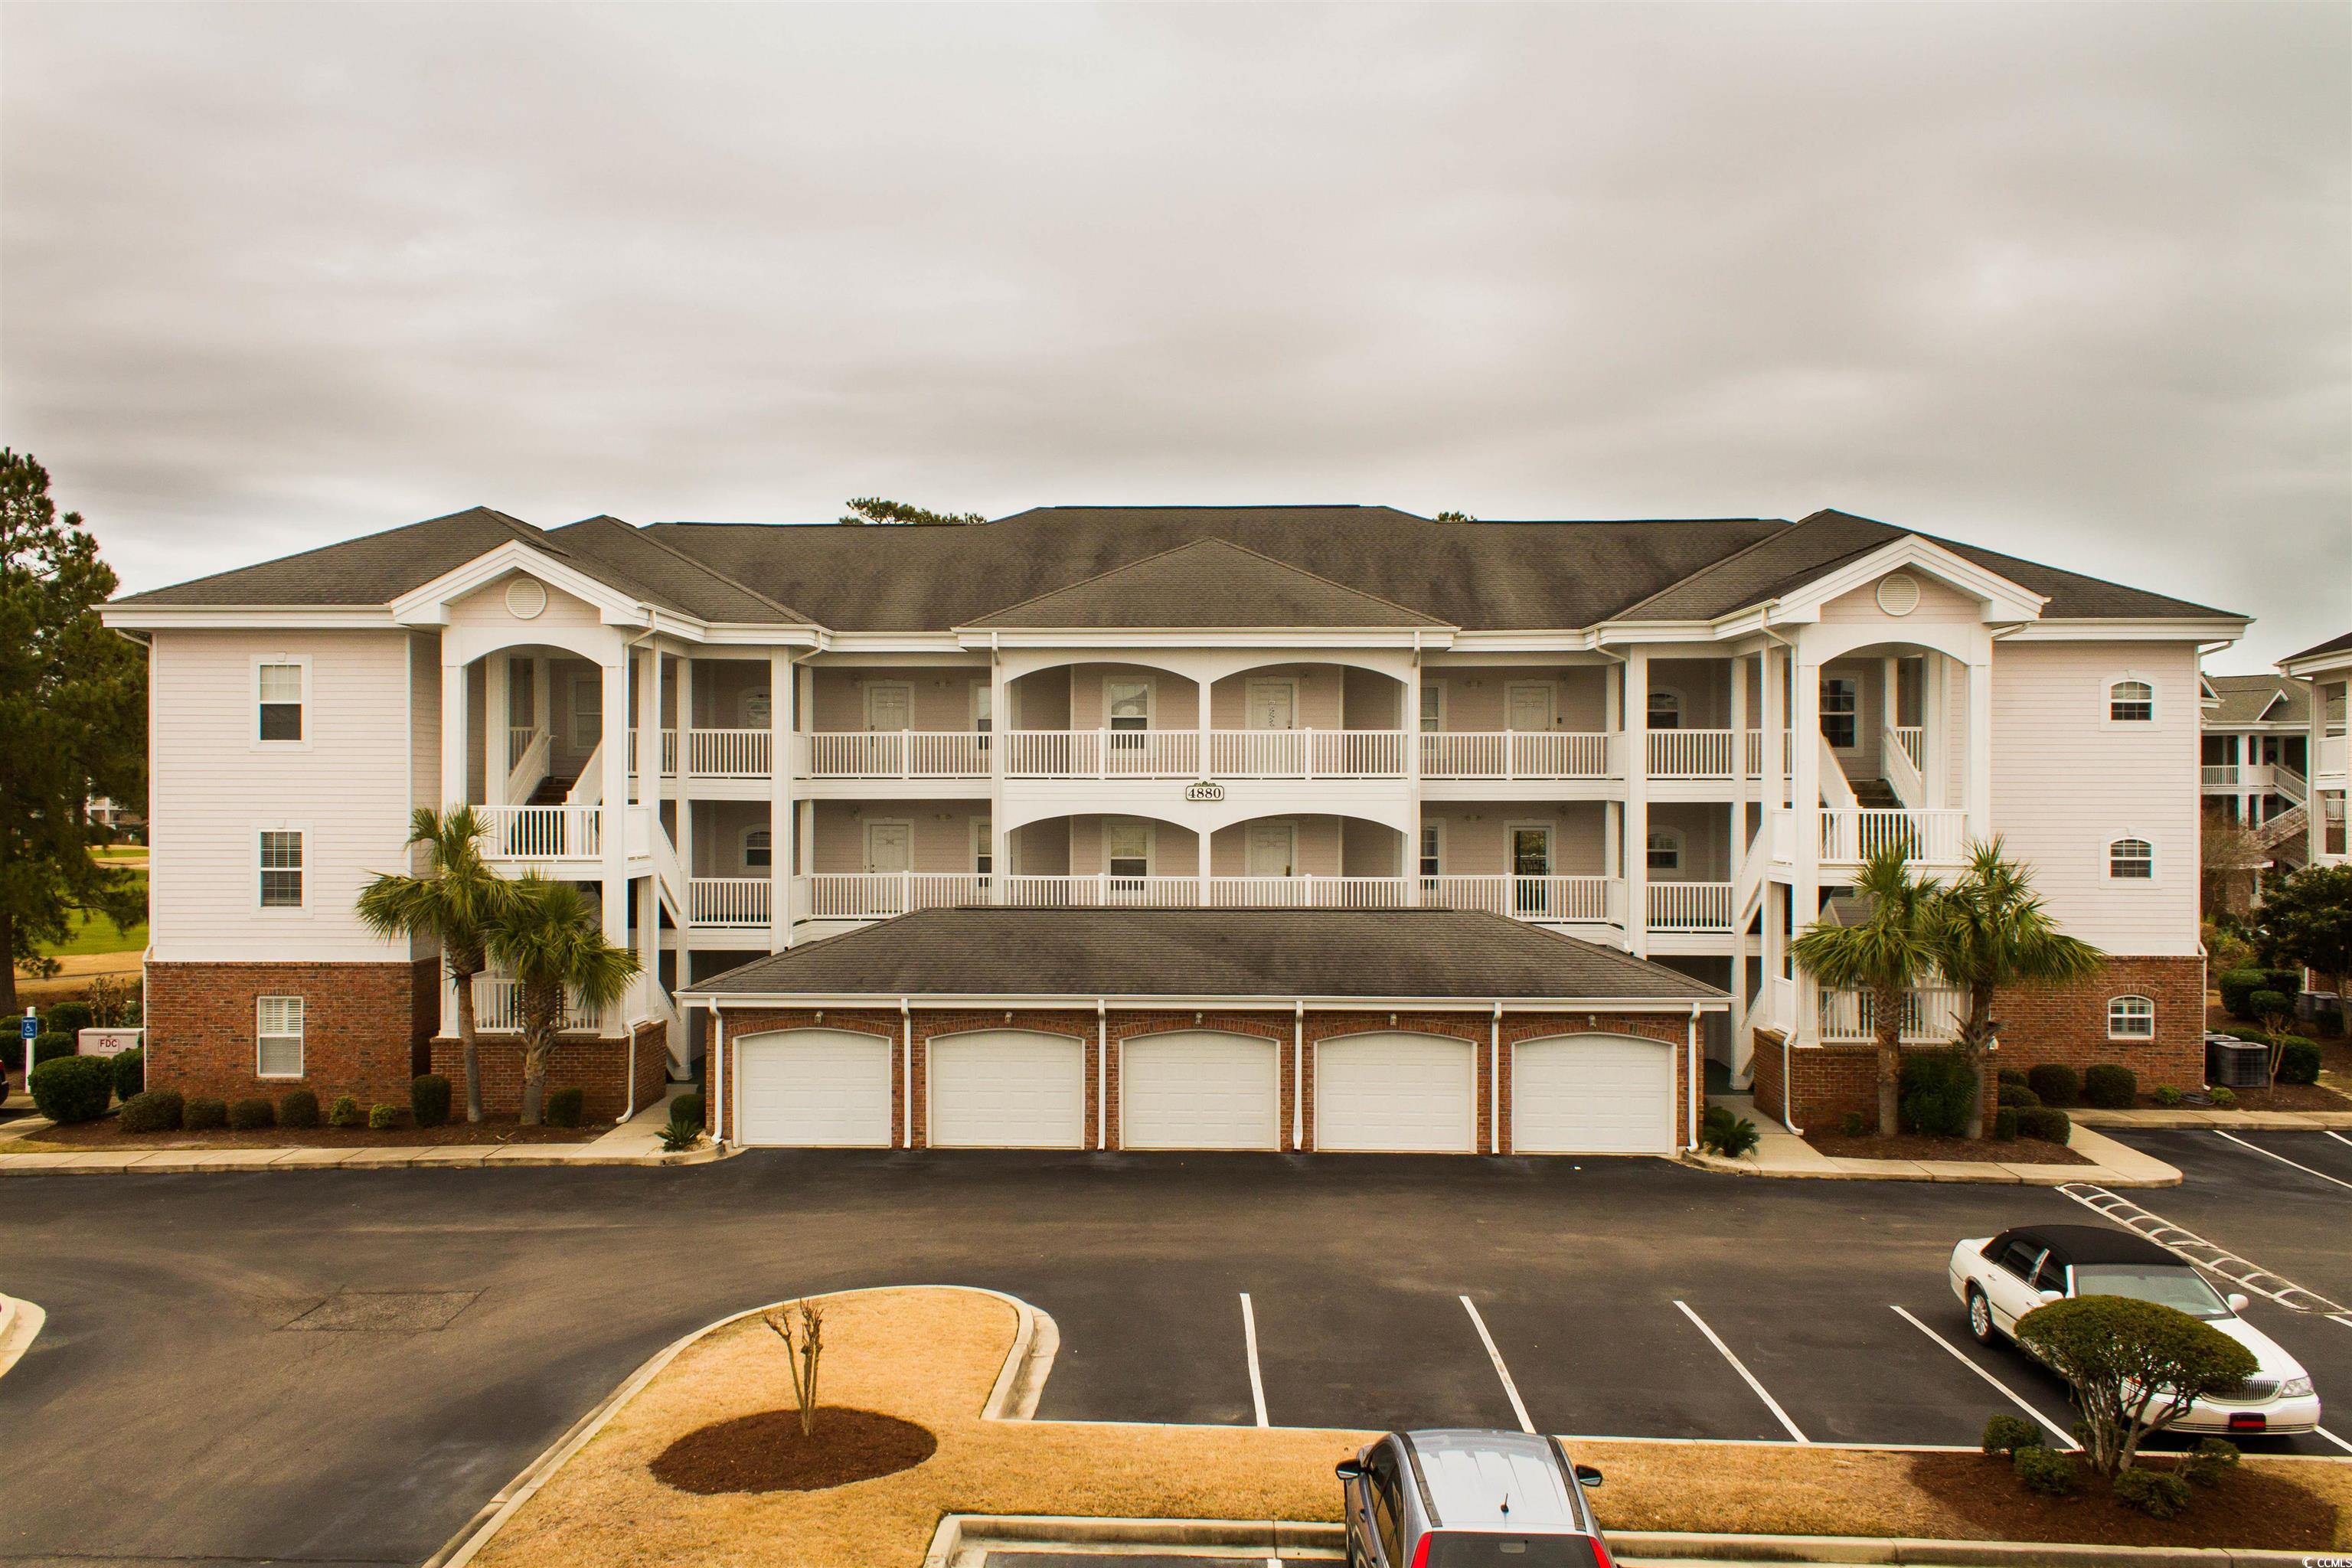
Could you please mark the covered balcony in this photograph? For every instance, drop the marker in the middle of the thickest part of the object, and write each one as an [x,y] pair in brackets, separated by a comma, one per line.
[1103,721]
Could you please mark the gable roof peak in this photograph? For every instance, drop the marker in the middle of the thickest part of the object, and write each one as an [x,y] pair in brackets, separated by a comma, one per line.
[1202,583]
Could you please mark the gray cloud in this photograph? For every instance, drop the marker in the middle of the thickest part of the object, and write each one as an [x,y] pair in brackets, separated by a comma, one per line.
[2074,283]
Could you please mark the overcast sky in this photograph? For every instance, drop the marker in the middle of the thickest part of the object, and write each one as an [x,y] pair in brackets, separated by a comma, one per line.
[2073,282]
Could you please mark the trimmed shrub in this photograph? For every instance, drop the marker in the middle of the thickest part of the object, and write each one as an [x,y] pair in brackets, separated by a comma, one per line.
[129,1074]
[2237,988]
[51,1046]
[2164,1095]
[1937,1090]
[2158,1494]
[2004,1125]
[344,1111]
[2018,1096]
[1852,1124]
[203,1114]
[565,1106]
[68,1018]
[154,1111]
[2223,1098]
[2287,980]
[2008,1433]
[2110,1086]
[428,1100]
[687,1109]
[251,1114]
[2210,1458]
[2010,1077]
[2251,1036]
[2046,1123]
[2298,1061]
[2268,1004]
[2056,1083]
[73,1088]
[382,1118]
[2049,1472]
[298,1107]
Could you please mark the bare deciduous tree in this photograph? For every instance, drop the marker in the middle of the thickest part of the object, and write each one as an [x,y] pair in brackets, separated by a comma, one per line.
[801,1352]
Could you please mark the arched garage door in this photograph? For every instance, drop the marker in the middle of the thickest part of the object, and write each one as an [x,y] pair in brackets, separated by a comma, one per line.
[814,1088]
[1592,1094]
[1396,1093]
[1200,1088]
[1008,1089]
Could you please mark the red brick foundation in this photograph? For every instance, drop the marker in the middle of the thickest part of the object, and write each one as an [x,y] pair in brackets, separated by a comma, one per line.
[363,1027]
[599,1067]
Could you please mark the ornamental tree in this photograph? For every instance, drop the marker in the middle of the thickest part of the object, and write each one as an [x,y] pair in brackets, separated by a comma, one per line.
[1887,953]
[2135,1366]
[2306,919]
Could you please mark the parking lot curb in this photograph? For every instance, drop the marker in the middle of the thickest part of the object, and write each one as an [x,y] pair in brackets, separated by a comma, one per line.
[2143,1170]
[316,1157]
[2190,1119]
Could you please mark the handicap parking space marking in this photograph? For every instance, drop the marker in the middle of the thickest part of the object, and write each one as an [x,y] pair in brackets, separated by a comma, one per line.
[2066,1438]
[1518,1406]
[2272,1153]
[2190,1247]
[1736,1365]
[1249,1345]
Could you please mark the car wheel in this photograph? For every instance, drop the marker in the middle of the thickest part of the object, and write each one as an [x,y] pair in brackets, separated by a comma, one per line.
[1980,1316]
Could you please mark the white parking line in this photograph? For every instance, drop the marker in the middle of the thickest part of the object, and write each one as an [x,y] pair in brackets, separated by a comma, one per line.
[1249,1342]
[2334,1438]
[1501,1371]
[2282,1159]
[2341,1138]
[1771,1403]
[1954,1350]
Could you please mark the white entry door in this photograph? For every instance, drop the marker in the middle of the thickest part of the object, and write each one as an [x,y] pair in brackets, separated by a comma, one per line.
[889,706]
[1396,1093]
[1530,706]
[1008,1089]
[1273,704]
[887,847]
[1272,849]
[1592,1094]
[814,1088]
[1200,1089]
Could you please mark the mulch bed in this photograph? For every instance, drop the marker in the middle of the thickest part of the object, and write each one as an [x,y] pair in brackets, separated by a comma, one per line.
[2257,1510]
[107,1133]
[2281,1097]
[766,1453]
[1918,1146]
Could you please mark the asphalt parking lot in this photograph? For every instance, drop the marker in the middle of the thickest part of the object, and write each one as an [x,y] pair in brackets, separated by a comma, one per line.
[342,1365]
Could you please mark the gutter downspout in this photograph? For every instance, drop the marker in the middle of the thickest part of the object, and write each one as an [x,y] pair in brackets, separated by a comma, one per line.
[717,1075]
[1495,1079]
[1298,1074]
[1102,1075]
[629,1112]
[907,1067]
[1695,1080]
[1788,1119]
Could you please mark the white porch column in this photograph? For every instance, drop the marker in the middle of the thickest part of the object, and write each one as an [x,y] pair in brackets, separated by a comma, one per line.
[1979,753]
[1736,839]
[497,720]
[614,811]
[1637,800]
[999,744]
[542,693]
[1773,666]
[454,718]
[783,781]
[682,704]
[647,784]
[1805,803]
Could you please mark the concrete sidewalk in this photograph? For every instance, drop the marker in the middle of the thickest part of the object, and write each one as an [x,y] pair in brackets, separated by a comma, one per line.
[637,1142]
[1781,1153]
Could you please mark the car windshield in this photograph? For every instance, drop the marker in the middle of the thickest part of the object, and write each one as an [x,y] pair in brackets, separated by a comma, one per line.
[2170,1285]
[1463,1549]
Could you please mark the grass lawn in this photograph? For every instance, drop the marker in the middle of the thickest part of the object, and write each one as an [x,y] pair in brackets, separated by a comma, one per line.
[95,933]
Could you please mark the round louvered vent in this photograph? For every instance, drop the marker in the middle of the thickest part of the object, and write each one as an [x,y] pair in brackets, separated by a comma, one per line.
[526,596]
[1898,594]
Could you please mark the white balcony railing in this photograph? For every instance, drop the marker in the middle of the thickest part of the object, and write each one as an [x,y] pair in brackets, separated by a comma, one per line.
[728,901]
[1306,753]
[542,832]
[1578,900]
[1690,754]
[1232,754]
[897,754]
[2331,755]
[1851,833]
[877,895]
[2218,776]
[1931,1015]
[1690,906]
[2289,783]
[1913,739]
[519,740]
[1102,754]
[1513,755]
[727,754]
[498,1009]
[1104,892]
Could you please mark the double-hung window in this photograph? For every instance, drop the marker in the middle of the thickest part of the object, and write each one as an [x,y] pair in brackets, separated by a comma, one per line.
[278,693]
[1433,708]
[2131,861]
[1840,710]
[281,869]
[1665,711]
[278,1037]
[1666,853]
[1433,849]
[1127,849]
[2131,703]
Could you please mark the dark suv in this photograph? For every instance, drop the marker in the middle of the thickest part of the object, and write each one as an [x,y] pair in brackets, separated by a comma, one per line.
[1466,1499]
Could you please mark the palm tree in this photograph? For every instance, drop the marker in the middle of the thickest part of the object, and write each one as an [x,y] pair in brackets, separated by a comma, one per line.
[1993,931]
[549,939]
[1884,957]
[454,905]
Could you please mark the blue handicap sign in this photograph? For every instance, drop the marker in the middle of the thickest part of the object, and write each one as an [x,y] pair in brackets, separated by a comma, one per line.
[32,1026]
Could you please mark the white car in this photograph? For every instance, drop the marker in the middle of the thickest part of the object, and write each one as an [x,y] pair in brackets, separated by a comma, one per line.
[2001,1278]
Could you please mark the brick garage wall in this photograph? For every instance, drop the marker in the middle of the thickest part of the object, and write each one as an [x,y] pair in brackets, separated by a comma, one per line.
[599,1067]
[362,1024]
[2069,1023]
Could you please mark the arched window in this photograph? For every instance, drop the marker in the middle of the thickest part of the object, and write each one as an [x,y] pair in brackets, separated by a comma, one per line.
[2131,1018]
[2131,860]
[1666,710]
[1666,849]
[2131,701]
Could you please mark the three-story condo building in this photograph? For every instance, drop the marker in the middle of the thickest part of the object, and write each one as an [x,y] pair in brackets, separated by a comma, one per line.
[2327,670]
[1278,826]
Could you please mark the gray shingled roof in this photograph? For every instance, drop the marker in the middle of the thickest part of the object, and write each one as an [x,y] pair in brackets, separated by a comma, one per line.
[1208,582]
[2246,699]
[2333,645]
[633,561]
[994,951]
[1786,561]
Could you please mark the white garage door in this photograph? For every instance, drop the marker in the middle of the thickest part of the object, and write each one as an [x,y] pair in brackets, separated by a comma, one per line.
[1200,1089]
[1008,1089]
[813,1088]
[1396,1092]
[1592,1094]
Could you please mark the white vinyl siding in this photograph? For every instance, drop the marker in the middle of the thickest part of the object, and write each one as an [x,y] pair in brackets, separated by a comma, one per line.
[278,1037]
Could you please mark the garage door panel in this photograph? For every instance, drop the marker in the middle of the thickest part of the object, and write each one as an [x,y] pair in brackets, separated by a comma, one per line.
[1200,1089]
[1592,1094]
[1400,1093]
[814,1088]
[1007,1089]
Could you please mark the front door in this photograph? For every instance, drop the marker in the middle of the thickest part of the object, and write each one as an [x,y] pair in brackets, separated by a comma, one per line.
[886,847]
[1530,863]
[1273,704]
[1272,849]
[889,706]
[1530,706]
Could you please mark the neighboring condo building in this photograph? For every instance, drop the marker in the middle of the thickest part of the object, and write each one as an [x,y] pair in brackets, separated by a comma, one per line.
[2257,747]
[1595,774]
[2328,670]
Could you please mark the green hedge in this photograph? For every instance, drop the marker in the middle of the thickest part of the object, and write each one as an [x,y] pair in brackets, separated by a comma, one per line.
[130,1073]
[428,1100]
[2056,1083]
[205,1112]
[252,1115]
[73,1088]
[2299,1060]
[565,1106]
[154,1111]
[2110,1086]
[50,1046]
[2237,988]
[299,1109]
[382,1118]
[68,1018]
[2046,1123]
[1938,1089]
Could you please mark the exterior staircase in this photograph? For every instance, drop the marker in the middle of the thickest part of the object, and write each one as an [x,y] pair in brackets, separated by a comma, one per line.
[1876,795]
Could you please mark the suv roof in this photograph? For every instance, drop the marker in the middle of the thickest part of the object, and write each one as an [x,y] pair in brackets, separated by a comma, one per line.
[1494,1480]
